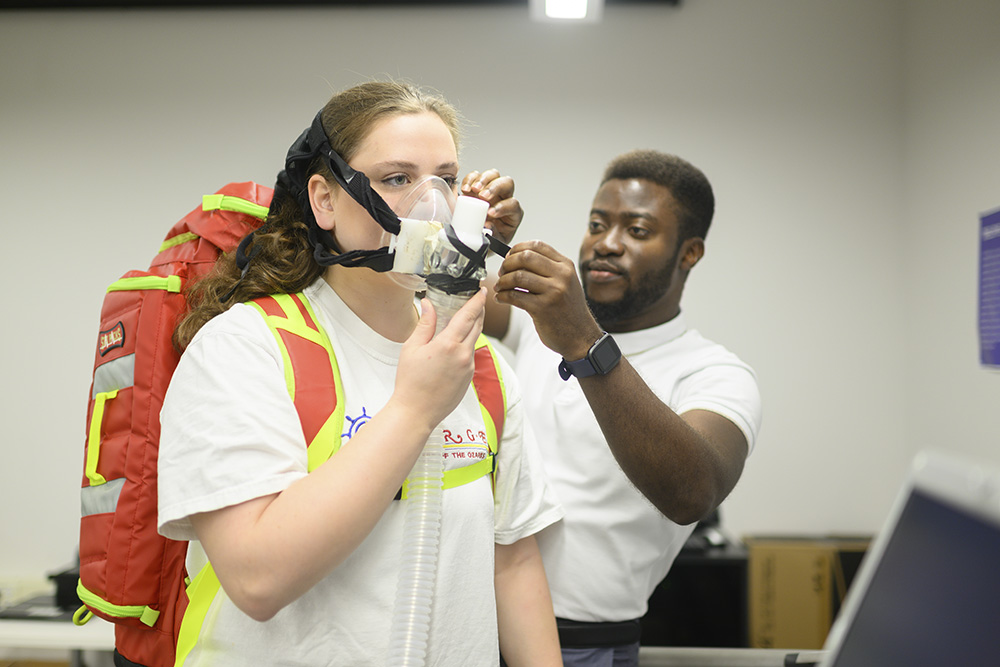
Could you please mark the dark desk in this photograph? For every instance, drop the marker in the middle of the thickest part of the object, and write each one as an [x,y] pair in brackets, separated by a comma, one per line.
[653,656]
[701,602]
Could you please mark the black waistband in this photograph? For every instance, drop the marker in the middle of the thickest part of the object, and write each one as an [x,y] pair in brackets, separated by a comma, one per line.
[580,634]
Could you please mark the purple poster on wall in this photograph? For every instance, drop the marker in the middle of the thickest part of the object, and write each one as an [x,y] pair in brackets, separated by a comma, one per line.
[989,288]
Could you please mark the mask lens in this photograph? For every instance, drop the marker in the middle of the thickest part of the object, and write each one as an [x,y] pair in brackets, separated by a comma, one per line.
[429,198]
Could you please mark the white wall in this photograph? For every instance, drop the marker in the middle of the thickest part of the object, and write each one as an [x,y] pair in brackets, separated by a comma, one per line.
[952,175]
[851,146]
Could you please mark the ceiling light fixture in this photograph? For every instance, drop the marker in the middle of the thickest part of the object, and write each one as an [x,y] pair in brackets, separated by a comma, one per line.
[566,10]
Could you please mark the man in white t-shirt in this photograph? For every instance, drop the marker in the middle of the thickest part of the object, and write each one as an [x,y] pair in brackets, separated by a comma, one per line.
[652,432]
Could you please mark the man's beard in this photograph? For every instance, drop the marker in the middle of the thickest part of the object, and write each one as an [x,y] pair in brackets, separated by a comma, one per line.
[635,300]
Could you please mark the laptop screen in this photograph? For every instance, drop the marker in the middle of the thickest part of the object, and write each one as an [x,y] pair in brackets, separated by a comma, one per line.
[933,594]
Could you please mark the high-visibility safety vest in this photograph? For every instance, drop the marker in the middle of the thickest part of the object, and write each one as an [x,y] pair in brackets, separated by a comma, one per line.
[312,378]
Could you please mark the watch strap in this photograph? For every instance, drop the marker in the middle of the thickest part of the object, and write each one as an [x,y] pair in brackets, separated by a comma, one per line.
[581,368]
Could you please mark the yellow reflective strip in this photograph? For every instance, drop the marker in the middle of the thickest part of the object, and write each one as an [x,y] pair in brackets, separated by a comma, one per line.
[470,473]
[295,322]
[230,203]
[272,324]
[298,328]
[94,438]
[168,283]
[202,591]
[177,240]
[327,441]
[458,476]
[144,613]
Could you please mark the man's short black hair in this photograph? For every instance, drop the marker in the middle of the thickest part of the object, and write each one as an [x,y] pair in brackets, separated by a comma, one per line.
[688,185]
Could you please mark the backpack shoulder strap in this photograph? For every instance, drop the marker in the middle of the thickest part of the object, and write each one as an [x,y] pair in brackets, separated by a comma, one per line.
[312,375]
[487,381]
[311,371]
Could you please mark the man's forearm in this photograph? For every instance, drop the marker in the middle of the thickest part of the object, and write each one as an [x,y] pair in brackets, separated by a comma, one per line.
[685,465]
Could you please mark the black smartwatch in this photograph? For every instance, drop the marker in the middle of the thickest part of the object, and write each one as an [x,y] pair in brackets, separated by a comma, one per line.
[601,358]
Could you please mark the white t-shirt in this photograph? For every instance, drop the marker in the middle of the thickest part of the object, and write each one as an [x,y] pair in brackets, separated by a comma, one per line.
[230,434]
[613,547]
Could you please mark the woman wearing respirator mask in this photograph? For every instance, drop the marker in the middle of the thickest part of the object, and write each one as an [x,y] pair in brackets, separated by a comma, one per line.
[306,566]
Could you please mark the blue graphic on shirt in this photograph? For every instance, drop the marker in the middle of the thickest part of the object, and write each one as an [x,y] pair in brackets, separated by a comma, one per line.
[355,423]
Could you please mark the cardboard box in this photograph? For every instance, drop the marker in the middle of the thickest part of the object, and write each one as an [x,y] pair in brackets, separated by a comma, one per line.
[796,586]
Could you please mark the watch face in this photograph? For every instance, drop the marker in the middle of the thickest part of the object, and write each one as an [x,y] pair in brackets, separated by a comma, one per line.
[605,354]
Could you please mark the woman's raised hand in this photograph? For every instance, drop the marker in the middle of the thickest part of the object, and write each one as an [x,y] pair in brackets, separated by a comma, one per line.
[435,371]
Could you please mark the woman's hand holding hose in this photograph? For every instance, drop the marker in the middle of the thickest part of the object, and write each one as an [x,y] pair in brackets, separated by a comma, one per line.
[435,371]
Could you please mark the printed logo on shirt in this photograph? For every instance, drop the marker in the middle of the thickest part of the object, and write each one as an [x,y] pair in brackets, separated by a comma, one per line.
[110,339]
[354,424]
[463,448]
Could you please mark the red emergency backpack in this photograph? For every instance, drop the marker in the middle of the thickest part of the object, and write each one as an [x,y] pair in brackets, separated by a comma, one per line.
[129,574]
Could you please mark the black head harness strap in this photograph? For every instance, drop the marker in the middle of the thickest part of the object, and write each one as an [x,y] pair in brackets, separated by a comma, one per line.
[294,179]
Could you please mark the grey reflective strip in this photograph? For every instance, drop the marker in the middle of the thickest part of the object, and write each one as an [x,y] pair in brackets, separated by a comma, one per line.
[116,374]
[102,498]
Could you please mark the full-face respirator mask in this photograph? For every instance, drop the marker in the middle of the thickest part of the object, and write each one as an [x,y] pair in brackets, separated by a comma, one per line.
[438,241]
[441,242]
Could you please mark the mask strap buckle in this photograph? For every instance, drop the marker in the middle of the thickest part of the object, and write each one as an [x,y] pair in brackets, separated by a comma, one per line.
[477,258]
